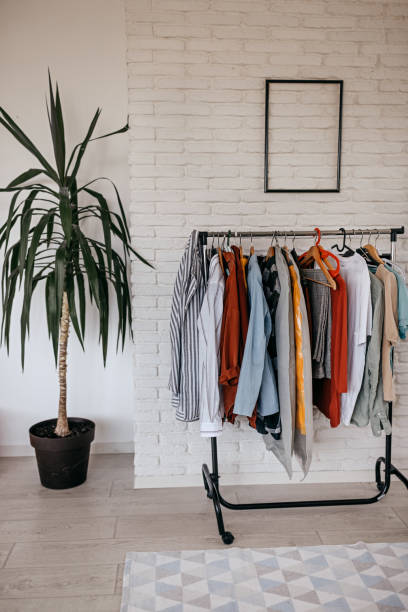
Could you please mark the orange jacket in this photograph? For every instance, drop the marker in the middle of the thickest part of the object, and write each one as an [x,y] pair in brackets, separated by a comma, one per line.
[234,330]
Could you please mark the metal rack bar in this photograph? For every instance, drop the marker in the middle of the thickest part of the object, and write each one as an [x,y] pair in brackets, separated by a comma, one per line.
[211,479]
[299,233]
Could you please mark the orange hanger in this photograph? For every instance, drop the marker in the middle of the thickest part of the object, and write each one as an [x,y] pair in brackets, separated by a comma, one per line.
[322,266]
[315,253]
[307,258]
[328,254]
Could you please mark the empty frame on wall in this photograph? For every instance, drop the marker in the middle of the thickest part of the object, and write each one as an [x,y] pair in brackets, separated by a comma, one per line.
[303,124]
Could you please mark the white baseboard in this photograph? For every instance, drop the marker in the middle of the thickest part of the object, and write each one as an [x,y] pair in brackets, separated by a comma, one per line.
[97,448]
[16,450]
[195,480]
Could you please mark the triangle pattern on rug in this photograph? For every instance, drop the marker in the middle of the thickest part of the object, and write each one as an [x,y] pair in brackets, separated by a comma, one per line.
[360,577]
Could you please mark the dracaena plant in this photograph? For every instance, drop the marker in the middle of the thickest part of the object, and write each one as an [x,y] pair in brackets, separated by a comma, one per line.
[52,249]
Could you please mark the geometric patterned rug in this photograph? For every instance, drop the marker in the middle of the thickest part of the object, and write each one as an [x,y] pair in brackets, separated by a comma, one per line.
[360,577]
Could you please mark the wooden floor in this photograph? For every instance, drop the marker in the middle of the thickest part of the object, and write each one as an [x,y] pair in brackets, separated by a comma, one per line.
[64,550]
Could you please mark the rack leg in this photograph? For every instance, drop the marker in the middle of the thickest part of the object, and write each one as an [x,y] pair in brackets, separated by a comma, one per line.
[212,492]
[393,471]
[207,483]
[398,474]
[389,469]
[382,485]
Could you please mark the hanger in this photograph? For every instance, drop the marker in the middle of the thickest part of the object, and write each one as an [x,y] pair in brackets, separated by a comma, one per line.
[307,257]
[251,250]
[315,254]
[219,251]
[241,251]
[314,280]
[376,239]
[372,251]
[285,246]
[212,245]
[344,247]
[271,250]
[225,245]
[349,251]
[364,253]
[326,255]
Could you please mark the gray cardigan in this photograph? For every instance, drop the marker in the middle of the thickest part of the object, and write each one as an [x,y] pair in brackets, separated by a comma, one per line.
[370,405]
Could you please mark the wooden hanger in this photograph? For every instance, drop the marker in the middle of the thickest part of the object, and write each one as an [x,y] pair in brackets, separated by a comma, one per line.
[317,258]
[271,251]
[252,249]
[286,253]
[307,258]
[314,280]
[315,254]
[373,253]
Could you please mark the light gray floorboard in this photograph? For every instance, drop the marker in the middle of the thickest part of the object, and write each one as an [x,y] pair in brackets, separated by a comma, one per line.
[58,581]
[98,603]
[64,550]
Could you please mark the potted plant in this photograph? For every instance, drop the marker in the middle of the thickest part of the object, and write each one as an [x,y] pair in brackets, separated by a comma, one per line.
[52,251]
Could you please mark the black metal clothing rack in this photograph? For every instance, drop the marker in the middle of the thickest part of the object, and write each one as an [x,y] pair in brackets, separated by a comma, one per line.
[211,479]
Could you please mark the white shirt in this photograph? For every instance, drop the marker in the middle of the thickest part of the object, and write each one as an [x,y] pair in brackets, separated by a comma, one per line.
[355,273]
[209,331]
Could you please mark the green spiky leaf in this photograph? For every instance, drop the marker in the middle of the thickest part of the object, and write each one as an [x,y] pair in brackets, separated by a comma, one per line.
[52,249]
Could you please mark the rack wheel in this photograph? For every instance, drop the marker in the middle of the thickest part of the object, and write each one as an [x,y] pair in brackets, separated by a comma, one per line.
[227,538]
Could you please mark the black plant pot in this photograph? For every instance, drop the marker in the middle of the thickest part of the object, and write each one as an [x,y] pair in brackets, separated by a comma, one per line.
[62,462]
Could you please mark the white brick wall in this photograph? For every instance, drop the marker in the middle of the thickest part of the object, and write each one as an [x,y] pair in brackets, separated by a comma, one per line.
[196,102]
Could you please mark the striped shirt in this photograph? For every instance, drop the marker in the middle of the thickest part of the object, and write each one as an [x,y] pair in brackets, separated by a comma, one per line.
[186,304]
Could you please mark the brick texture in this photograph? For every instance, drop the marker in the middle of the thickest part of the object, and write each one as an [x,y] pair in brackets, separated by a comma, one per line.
[196,72]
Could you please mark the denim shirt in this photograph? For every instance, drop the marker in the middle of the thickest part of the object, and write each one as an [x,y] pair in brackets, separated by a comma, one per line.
[402,303]
[257,379]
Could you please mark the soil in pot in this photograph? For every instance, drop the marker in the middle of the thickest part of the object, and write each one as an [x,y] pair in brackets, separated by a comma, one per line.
[62,462]
[46,429]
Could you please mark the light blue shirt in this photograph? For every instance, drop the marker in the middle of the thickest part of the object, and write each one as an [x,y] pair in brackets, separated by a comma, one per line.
[257,378]
[402,304]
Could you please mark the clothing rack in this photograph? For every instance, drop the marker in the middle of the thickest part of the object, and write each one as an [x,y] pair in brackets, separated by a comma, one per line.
[211,479]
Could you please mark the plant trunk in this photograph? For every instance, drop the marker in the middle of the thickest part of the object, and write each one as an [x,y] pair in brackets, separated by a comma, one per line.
[62,428]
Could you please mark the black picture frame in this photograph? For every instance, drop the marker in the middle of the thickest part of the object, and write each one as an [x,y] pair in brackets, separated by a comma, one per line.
[268,83]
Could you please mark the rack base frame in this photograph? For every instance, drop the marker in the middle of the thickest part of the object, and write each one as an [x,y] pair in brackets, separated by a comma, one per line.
[211,479]
[212,487]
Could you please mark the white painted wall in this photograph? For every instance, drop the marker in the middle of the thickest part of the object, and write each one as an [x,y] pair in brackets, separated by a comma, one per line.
[83,43]
[196,101]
